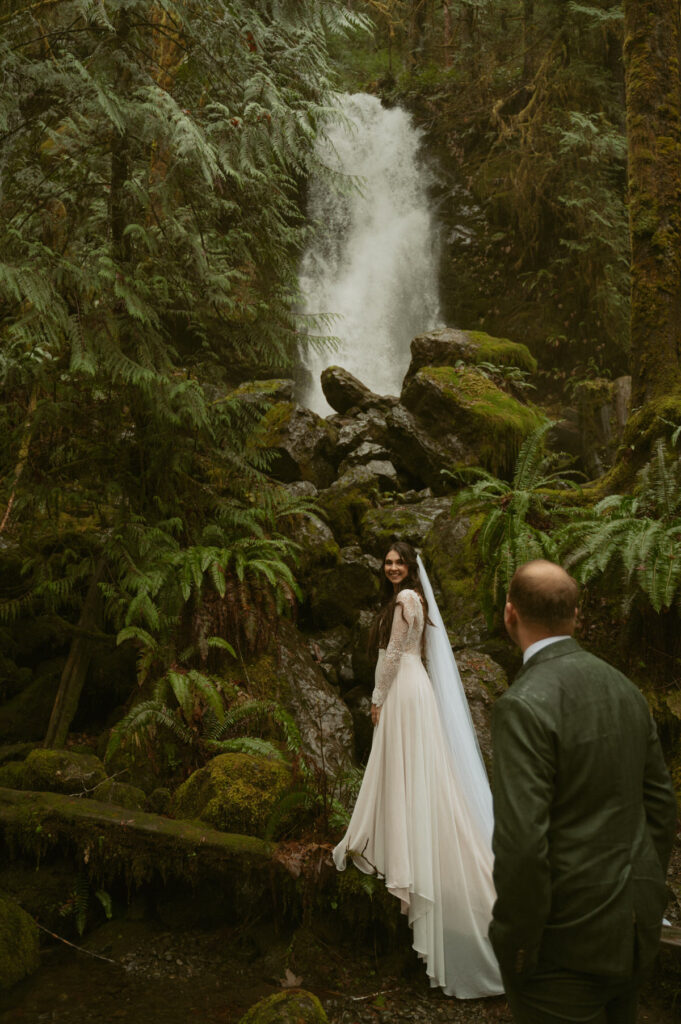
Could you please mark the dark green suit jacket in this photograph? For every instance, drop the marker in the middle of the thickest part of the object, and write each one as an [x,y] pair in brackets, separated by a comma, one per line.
[584,818]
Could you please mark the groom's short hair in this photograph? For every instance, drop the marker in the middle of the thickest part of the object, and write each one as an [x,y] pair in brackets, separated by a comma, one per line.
[545,595]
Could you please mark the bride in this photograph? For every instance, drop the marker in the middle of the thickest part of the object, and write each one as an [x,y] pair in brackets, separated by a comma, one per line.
[423,817]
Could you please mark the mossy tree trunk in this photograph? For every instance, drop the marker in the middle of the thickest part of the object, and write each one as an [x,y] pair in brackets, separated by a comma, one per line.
[77,664]
[653,96]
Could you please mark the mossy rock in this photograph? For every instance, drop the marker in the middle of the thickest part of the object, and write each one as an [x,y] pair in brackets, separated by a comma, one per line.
[121,793]
[294,1006]
[338,594]
[381,526]
[16,752]
[19,952]
[26,716]
[160,800]
[61,771]
[302,442]
[464,402]
[13,775]
[234,792]
[344,510]
[451,557]
[448,346]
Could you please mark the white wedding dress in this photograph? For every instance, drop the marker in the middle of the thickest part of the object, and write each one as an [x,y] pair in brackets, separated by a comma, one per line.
[415,824]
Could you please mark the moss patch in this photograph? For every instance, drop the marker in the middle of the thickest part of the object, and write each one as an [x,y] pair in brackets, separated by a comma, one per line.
[502,352]
[344,511]
[61,771]
[295,1006]
[19,954]
[234,792]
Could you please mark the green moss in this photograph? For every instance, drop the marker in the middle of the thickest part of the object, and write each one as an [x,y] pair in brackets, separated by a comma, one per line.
[502,352]
[344,511]
[451,551]
[234,792]
[61,771]
[19,954]
[13,775]
[112,792]
[494,423]
[291,1007]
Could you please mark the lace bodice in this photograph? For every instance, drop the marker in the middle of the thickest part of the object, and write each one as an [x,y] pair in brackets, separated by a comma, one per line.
[405,638]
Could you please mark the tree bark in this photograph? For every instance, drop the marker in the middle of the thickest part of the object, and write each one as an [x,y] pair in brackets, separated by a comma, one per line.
[653,97]
[75,669]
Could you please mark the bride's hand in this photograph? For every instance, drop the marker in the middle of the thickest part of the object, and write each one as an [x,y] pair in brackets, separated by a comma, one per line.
[375,714]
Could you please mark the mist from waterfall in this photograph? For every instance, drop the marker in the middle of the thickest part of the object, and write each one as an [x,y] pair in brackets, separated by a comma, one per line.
[374,263]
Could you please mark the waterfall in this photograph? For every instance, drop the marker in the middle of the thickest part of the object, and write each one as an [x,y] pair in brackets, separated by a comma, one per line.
[374,263]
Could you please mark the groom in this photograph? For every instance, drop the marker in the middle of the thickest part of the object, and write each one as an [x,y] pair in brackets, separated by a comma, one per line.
[584,819]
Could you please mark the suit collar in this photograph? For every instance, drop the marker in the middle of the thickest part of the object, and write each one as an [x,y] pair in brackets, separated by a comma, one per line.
[556,650]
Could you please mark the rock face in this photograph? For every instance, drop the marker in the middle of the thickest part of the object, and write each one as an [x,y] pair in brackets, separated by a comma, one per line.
[484,681]
[294,1006]
[412,522]
[302,442]
[421,454]
[338,594]
[233,793]
[19,954]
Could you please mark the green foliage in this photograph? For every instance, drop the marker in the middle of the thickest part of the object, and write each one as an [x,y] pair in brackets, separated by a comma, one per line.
[518,517]
[152,156]
[634,541]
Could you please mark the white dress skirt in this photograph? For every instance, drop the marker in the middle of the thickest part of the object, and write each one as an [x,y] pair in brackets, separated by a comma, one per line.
[411,826]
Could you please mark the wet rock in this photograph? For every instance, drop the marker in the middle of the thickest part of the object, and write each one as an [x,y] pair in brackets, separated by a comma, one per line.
[450,555]
[367,426]
[367,452]
[381,526]
[330,645]
[303,444]
[358,699]
[448,346]
[318,546]
[483,681]
[377,475]
[288,674]
[343,391]
[19,954]
[463,403]
[338,594]
[61,771]
[234,793]
[112,792]
[363,659]
[294,1006]
[417,451]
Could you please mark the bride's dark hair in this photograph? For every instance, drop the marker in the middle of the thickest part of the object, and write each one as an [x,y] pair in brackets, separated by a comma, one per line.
[380,630]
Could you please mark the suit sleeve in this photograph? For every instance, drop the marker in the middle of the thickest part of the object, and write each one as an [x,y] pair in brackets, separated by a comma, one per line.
[659,799]
[523,792]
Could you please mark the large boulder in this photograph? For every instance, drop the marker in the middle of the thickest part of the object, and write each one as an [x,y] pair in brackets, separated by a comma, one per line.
[318,546]
[19,952]
[62,771]
[448,346]
[372,477]
[302,442]
[365,453]
[464,403]
[421,454]
[343,391]
[288,674]
[338,594]
[234,792]
[412,522]
[293,1006]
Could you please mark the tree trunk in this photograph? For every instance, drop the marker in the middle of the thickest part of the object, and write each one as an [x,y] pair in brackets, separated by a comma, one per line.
[653,96]
[77,664]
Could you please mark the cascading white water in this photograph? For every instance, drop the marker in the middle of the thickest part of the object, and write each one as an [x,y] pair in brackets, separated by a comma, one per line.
[374,264]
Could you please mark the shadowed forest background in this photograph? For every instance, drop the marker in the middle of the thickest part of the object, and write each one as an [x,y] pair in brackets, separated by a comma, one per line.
[189,557]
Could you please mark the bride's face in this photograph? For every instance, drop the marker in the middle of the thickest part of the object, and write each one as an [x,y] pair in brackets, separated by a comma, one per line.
[394,568]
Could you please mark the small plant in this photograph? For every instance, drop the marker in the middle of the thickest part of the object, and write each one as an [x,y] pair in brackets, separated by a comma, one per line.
[518,516]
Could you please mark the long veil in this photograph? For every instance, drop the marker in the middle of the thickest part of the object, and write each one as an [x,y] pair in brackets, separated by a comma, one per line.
[457,724]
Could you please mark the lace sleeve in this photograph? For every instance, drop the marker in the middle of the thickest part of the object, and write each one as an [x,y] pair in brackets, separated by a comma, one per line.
[407,608]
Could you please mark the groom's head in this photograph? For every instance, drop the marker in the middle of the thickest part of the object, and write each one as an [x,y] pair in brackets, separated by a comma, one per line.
[542,601]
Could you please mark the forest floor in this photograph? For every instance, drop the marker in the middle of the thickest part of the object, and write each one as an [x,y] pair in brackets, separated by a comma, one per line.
[213,977]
